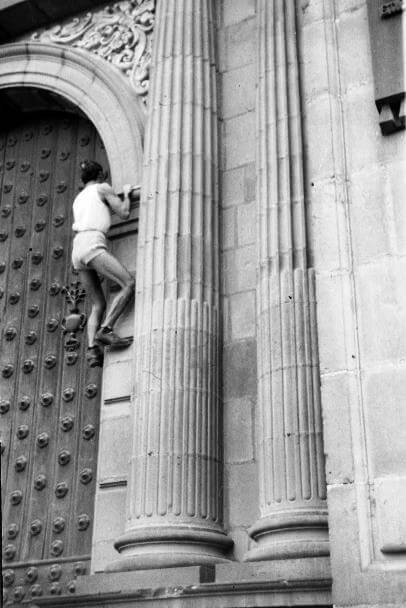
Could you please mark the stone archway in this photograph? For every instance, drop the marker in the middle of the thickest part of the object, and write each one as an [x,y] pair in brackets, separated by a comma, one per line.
[91,84]
[99,92]
[49,398]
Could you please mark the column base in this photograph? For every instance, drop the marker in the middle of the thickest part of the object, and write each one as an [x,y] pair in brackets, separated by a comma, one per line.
[285,535]
[157,547]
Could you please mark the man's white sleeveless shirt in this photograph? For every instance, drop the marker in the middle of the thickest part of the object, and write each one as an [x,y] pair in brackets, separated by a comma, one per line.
[90,212]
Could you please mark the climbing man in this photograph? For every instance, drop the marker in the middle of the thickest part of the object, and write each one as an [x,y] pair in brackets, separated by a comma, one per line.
[92,210]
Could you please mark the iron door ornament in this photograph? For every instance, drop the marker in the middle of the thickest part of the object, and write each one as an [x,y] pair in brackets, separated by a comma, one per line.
[48,435]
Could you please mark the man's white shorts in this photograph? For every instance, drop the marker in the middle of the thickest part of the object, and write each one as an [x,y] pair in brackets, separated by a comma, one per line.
[86,246]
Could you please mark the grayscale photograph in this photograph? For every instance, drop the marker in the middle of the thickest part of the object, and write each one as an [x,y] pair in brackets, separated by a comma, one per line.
[203,303]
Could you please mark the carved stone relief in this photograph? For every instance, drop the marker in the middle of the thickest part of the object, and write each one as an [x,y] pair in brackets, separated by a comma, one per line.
[120,33]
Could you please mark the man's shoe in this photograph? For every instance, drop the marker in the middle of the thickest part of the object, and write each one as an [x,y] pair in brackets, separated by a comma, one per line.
[107,337]
[94,356]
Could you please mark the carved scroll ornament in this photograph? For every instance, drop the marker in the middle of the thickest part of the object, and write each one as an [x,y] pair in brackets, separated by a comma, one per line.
[120,33]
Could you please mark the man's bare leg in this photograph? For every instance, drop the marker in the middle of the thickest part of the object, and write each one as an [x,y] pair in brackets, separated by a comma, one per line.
[91,282]
[108,266]
[92,285]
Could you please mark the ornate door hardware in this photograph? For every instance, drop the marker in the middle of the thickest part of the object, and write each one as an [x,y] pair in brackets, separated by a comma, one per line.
[48,420]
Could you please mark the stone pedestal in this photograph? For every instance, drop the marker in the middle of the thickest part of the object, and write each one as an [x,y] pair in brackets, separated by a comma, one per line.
[293,519]
[174,495]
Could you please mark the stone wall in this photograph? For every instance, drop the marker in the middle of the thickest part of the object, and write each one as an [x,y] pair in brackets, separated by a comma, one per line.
[237,27]
[115,428]
[356,185]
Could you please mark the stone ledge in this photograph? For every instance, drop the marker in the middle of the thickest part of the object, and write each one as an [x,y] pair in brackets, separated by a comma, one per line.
[236,585]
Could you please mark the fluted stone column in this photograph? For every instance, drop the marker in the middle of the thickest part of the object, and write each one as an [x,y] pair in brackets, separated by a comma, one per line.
[175,491]
[293,520]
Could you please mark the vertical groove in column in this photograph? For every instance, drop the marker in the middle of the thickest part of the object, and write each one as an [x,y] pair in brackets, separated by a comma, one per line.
[174,509]
[293,520]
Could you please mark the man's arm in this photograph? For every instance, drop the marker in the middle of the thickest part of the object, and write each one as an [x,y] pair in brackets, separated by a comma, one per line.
[121,207]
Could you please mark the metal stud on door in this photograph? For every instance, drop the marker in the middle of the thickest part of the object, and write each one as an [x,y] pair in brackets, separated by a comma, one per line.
[48,432]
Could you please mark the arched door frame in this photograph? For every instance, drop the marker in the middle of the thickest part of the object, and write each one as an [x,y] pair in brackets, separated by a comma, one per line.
[91,84]
[101,93]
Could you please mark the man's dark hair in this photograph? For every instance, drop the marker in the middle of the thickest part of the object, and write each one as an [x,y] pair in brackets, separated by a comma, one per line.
[90,170]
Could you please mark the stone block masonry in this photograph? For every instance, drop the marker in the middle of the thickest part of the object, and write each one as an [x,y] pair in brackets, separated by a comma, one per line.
[356,219]
[237,102]
[292,497]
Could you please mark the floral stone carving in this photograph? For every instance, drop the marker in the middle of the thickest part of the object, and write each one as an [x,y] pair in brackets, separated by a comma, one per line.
[120,33]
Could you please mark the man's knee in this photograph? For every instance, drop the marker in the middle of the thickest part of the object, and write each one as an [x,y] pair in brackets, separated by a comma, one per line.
[130,285]
[99,307]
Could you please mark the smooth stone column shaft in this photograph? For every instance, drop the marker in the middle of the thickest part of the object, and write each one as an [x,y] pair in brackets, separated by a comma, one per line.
[174,496]
[293,520]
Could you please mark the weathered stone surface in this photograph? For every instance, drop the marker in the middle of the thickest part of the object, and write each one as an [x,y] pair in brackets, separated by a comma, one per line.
[239,269]
[144,579]
[385,391]
[117,376]
[238,191]
[174,514]
[233,187]
[360,304]
[340,392]
[246,225]
[109,523]
[115,437]
[237,45]
[240,368]
[238,430]
[241,508]
[289,440]
[242,311]
[308,569]
[235,11]
[239,140]
[238,585]
[353,187]
[229,229]
[238,91]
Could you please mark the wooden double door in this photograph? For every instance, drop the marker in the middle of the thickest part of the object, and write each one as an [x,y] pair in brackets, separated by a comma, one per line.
[49,397]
